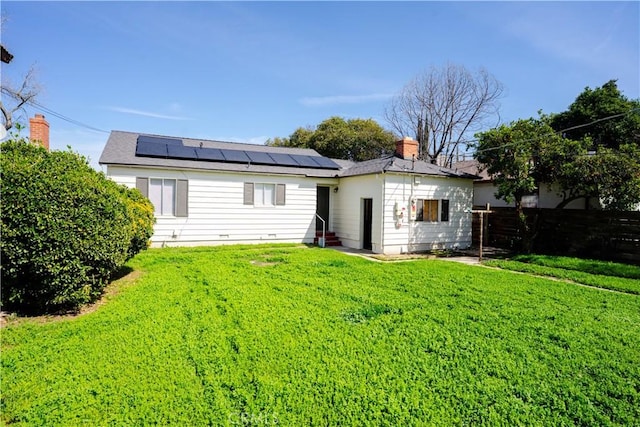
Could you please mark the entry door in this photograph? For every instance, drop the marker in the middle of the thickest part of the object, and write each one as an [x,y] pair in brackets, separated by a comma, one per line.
[322,207]
[367,223]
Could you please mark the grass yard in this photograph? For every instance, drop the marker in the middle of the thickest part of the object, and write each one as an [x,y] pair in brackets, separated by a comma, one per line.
[601,274]
[264,335]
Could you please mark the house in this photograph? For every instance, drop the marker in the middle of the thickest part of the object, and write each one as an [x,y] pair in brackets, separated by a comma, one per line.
[212,192]
[546,196]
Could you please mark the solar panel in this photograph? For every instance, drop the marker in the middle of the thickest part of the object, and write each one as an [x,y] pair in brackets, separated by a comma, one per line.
[325,162]
[181,152]
[283,159]
[159,140]
[210,154]
[235,156]
[172,148]
[260,158]
[151,149]
[305,161]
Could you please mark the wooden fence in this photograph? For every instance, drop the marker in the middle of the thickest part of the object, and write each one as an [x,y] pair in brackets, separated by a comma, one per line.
[595,234]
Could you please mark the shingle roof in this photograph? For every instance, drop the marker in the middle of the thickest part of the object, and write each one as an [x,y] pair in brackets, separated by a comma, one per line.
[120,149]
[391,163]
[473,167]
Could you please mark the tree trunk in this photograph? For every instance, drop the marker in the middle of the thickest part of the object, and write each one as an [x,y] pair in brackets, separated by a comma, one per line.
[521,224]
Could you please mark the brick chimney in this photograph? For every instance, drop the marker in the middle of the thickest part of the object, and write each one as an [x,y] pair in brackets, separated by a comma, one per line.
[406,148]
[39,130]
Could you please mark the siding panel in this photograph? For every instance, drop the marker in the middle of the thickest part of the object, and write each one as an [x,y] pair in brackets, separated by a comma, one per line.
[217,213]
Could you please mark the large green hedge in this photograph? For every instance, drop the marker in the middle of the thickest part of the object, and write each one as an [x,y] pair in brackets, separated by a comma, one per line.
[66,228]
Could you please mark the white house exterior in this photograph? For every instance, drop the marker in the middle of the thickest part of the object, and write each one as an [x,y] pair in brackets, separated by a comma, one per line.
[545,197]
[391,193]
[206,201]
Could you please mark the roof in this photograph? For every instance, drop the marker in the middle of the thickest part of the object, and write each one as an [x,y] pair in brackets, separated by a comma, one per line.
[121,147]
[473,167]
[121,150]
[391,163]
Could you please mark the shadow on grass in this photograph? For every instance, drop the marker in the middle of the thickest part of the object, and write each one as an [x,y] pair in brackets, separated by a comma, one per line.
[603,268]
[120,273]
[17,310]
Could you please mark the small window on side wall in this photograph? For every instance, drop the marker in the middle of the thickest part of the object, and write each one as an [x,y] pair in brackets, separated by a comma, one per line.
[427,210]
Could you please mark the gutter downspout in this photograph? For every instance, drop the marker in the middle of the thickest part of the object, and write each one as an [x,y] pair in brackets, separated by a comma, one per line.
[383,201]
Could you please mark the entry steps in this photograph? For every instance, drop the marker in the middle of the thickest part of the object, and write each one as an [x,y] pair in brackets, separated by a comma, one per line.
[330,238]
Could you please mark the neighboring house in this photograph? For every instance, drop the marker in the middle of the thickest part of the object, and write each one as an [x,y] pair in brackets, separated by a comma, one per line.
[546,196]
[210,193]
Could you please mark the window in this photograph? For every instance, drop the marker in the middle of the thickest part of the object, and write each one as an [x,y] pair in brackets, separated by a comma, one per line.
[261,195]
[168,196]
[427,210]
[264,195]
[162,193]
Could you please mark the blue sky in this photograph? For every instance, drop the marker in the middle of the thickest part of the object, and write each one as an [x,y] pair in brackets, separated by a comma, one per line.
[247,71]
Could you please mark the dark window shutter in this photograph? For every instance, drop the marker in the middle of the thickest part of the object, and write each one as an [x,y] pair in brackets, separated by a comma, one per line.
[419,210]
[281,194]
[142,184]
[182,198]
[248,193]
[444,212]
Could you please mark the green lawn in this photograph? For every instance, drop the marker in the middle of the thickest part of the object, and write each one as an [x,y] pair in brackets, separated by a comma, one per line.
[601,274]
[293,336]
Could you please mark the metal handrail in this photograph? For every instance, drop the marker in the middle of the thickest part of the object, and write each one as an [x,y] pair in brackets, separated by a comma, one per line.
[322,244]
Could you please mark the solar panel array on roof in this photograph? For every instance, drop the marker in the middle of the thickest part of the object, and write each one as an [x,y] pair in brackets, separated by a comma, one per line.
[283,159]
[181,152]
[235,156]
[305,161]
[151,149]
[171,148]
[325,162]
[159,140]
[211,154]
[259,158]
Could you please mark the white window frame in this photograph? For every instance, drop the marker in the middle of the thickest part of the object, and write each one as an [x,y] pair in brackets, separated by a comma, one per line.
[260,195]
[159,210]
[256,196]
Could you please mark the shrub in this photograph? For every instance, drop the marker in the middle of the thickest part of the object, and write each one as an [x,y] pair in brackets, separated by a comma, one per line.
[66,228]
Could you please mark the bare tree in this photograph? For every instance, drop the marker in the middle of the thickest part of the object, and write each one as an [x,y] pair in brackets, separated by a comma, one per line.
[443,106]
[17,97]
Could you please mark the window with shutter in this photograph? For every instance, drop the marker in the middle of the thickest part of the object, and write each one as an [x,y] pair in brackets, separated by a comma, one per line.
[265,195]
[169,197]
